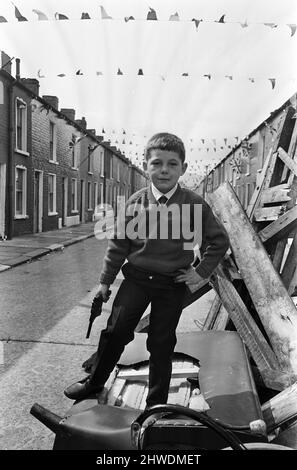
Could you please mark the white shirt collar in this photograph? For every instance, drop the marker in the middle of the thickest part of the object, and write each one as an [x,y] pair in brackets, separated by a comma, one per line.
[157,194]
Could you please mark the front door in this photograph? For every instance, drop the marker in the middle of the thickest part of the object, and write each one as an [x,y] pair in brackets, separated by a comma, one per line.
[64,200]
[36,201]
[82,202]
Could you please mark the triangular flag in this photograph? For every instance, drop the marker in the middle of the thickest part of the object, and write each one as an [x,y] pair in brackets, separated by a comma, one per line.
[251,79]
[39,74]
[272,81]
[3,20]
[203,140]
[61,75]
[124,132]
[244,25]
[225,140]
[229,76]
[197,22]
[293,28]
[104,15]
[18,14]
[270,25]
[99,73]
[123,142]
[119,72]
[128,18]
[60,16]
[85,16]
[151,14]
[103,131]
[174,17]
[208,76]
[41,16]
[78,72]
[140,72]
[221,20]
[185,74]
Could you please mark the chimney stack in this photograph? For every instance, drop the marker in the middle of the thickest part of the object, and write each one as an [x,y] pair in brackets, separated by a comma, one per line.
[52,100]
[82,123]
[32,84]
[70,113]
[18,68]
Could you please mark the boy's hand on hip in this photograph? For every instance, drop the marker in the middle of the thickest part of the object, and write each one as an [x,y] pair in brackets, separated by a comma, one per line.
[190,277]
[104,292]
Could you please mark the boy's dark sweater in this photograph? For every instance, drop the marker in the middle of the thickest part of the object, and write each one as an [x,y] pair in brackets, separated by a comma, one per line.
[165,256]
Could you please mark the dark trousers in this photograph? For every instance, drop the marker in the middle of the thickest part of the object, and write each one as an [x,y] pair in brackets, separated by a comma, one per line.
[132,299]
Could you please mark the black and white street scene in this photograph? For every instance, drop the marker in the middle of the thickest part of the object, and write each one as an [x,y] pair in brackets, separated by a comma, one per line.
[148,227]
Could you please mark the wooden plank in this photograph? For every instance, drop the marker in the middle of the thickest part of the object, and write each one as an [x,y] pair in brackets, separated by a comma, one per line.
[221,320]
[281,408]
[273,379]
[143,400]
[212,314]
[275,194]
[288,161]
[290,264]
[184,393]
[115,391]
[291,152]
[131,374]
[244,323]
[275,308]
[282,226]
[278,256]
[263,214]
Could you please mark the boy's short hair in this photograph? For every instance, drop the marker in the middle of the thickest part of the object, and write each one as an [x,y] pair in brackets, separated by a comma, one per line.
[165,141]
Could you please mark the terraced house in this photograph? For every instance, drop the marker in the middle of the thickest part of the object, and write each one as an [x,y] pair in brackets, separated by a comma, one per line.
[54,171]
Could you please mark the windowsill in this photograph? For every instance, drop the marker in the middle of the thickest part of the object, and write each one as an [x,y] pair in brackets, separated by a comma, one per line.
[18,217]
[238,177]
[22,152]
[52,213]
[247,174]
[90,210]
[102,176]
[74,168]
[259,171]
[54,162]
[74,212]
[90,173]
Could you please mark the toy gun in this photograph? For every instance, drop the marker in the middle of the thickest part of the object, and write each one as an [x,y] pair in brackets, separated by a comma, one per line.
[96,310]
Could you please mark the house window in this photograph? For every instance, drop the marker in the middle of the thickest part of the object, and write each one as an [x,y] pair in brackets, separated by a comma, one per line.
[110,174]
[101,163]
[118,171]
[89,161]
[89,195]
[95,194]
[51,194]
[21,125]
[73,194]
[53,140]
[20,191]
[101,194]
[74,152]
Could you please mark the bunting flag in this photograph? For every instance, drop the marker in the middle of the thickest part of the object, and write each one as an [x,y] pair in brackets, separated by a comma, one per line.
[85,16]
[251,79]
[103,131]
[128,18]
[41,15]
[3,20]
[229,76]
[225,140]
[292,28]
[78,72]
[270,25]
[104,15]
[140,72]
[60,16]
[197,22]
[18,14]
[244,25]
[39,74]
[273,81]
[208,76]
[119,72]
[152,15]
[221,20]
[174,17]
[99,73]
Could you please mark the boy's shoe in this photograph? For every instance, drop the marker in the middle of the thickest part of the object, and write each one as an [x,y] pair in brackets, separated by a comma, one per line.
[82,389]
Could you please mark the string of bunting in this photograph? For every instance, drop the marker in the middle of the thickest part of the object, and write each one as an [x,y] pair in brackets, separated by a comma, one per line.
[151,16]
[208,76]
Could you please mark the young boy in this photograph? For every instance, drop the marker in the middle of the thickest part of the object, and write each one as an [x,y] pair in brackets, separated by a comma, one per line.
[157,272]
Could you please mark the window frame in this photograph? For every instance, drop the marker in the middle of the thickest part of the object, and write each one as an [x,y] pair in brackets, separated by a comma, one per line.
[54,211]
[24,125]
[23,215]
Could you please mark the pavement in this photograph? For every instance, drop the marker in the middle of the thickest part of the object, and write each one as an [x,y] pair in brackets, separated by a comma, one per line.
[25,248]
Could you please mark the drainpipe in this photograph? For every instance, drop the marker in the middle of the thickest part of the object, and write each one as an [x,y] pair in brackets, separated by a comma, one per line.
[10,165]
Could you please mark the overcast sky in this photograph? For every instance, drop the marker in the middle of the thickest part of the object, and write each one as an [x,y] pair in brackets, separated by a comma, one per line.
[193,107]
